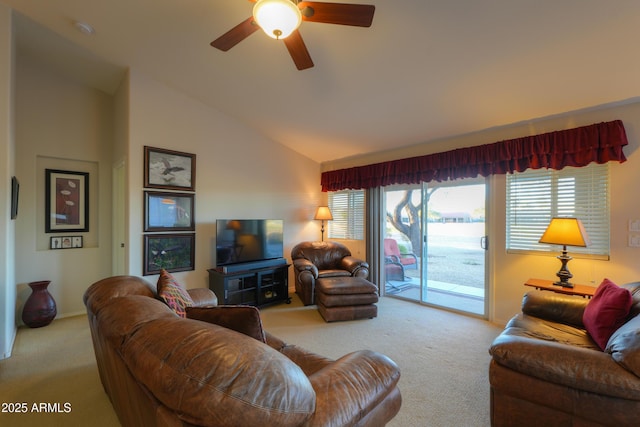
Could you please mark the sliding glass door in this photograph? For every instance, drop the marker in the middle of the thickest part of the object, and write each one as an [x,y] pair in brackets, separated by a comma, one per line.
[435,244]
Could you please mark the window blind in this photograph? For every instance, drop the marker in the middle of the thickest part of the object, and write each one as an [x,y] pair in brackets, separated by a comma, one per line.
[347,208]
[535,196]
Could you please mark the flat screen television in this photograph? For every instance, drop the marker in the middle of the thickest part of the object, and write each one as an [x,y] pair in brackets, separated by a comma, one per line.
[248,240]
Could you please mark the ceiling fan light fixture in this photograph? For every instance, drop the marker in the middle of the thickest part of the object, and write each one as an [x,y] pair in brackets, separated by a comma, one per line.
[277,18]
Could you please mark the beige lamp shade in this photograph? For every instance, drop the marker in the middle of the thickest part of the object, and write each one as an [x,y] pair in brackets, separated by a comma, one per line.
[565,231]
[323,213]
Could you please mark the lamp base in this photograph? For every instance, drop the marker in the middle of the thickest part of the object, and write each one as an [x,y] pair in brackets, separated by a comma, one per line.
[563,284]
[564,274]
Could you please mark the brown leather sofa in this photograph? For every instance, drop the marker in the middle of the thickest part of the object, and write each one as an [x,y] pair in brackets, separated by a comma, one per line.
[160,369]
[547,371]
[313,260]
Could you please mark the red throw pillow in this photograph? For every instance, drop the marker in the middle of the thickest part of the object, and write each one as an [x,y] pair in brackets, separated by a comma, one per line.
[173,294]
[606,311]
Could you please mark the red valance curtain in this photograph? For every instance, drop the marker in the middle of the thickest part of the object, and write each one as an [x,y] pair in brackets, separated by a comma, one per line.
[600,143]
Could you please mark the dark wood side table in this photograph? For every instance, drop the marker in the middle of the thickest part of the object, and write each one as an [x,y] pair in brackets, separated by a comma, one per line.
[584,291]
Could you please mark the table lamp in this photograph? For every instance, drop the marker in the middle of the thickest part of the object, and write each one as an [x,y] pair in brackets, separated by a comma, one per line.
[323,213]
[565,232]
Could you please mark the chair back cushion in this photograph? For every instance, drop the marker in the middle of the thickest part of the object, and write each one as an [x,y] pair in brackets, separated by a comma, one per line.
[324,255]
[391,248]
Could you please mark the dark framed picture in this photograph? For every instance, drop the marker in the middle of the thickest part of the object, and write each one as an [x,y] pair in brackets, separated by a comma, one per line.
[15,193]
[168,169]
[168,211]
[173,252]
[66,201]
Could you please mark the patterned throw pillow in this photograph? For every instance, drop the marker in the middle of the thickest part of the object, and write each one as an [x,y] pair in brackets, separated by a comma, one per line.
[173,294]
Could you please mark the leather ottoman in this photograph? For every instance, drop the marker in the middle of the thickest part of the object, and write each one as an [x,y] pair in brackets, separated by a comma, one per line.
[346,298]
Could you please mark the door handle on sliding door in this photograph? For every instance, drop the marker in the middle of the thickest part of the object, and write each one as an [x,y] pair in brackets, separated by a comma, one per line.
[484,242]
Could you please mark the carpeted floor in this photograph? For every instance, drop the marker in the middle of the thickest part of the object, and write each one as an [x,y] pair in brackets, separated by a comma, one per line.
[442,355]
[53,380]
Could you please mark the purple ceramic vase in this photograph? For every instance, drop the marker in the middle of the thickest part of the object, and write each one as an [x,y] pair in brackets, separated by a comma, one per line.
[40,308]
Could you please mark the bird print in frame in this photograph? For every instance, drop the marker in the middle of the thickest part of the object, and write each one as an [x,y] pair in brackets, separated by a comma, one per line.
[169,169]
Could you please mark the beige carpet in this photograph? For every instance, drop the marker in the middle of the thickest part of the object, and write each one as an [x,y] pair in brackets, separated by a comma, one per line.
[53,366]
[443,358]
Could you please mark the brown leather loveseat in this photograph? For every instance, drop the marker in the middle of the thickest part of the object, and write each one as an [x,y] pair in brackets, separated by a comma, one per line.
[160,369]
[313,260]
[546,370]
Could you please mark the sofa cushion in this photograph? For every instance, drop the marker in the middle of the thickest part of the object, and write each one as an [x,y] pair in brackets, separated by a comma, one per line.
[173,294]
[606,312]
[240,318]
[624,345]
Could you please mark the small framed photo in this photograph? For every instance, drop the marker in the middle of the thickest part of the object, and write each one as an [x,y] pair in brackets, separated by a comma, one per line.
[165,211]
[173,252]
[66,201]
[168,169]
[65,242]
[76,242]
[56,243]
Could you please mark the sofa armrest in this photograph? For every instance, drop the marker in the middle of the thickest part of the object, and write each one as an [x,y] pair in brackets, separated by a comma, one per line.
[352,386]
[353,265]
[307,361]
[302,264]
[555,307]
[203,297]
[572,366]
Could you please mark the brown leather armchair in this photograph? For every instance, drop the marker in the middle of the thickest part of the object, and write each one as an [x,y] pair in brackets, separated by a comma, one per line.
[313,260]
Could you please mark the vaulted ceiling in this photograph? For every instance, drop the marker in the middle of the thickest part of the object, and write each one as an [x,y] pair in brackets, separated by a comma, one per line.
[423,71]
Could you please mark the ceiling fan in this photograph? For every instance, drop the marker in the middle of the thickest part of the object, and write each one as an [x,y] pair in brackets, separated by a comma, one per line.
[280,19]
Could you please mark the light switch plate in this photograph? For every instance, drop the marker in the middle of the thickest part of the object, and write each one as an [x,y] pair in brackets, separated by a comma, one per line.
[634,240]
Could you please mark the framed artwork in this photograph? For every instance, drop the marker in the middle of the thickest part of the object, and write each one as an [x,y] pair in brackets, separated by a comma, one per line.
[66,201]
[15,192]
[165,211]
[66,242]
[168,169]
[173,252]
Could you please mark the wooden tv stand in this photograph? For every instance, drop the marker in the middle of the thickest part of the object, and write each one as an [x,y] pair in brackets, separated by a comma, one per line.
[255,286]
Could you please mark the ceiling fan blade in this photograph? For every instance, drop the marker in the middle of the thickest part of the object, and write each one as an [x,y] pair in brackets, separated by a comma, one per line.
[298,51]
[357,15]
[235,35]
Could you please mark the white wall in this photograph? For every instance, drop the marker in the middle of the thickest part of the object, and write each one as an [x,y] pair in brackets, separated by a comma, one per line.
[7,170]
[61,122]
[239,173]
[509,271]
[65,125]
